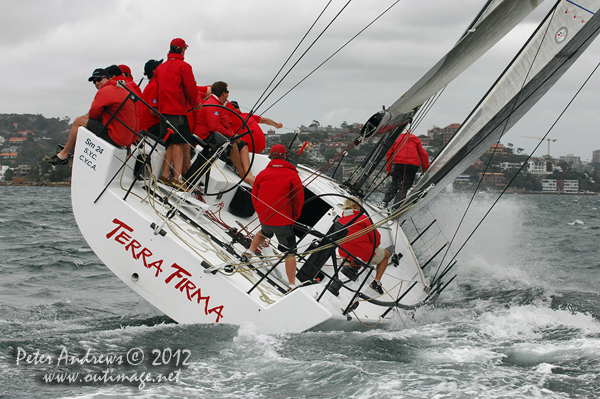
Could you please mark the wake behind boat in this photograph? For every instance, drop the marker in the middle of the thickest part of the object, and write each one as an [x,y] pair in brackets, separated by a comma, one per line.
[183,250]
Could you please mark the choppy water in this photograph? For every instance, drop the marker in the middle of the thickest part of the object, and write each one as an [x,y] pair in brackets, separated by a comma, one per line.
[521,320]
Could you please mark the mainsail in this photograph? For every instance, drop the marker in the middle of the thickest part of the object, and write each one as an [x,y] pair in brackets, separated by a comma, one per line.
[560,39]
[492,25]
[494,21]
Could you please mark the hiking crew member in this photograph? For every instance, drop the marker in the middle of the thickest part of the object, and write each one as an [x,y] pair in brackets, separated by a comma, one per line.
[106,102]
[258,136]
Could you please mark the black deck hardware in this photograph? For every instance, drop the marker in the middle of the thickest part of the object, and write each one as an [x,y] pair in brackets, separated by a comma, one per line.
[396,259]
[207,265]
[161,232]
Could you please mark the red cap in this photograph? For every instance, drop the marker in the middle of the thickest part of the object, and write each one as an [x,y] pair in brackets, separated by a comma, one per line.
[125,69]
[278,150]
[179,43]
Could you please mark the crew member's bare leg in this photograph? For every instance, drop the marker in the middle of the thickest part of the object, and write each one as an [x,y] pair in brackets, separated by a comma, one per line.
[245,161]
[70,144]
[234,155]
[166,173]
[290,269]
[187,159]
[381,266]
[178,151]
[257,241]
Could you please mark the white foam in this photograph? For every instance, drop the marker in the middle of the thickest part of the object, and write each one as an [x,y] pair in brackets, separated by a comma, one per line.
[466,354]
[544,368]
[248,343]
[526,321]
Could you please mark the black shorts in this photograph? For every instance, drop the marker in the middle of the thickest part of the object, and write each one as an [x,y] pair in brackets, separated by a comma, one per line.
[154,131]
[97,127]
[183,127]
[285,236]
[241,144]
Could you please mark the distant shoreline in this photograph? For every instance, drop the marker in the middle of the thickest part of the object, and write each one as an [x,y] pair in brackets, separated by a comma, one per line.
[34,184]
[68,184]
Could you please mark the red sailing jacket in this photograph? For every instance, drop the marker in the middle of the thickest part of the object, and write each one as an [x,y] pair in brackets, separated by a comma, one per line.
[131,84]
[260,142]
[212,119]
[278,194]
[361,246]
[149,95]
[236,123]
[177,91]
[139,107]
[414,154]
[109,98]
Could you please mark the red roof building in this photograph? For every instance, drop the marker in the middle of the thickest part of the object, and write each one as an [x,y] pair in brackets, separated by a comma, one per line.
[497,148]
[8,155]
[494,179]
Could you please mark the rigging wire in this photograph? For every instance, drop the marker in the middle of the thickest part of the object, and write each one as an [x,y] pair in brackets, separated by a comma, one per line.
[299,59]
[328,58]
[494,150]
[290,57]
[535,149]
[518,171]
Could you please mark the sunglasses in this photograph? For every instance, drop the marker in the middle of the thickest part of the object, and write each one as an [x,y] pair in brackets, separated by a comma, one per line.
[97,80]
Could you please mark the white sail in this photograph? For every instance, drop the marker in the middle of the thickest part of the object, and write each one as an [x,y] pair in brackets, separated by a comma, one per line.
[563,35]
[495,22]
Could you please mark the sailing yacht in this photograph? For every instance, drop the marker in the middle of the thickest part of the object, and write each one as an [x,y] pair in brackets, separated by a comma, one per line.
[183,251]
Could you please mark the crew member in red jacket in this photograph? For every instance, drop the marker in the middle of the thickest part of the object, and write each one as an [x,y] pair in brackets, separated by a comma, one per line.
[149,120]
[177,94]
[402,162]
[257,143]
[209,120]
[366,245]
[278,197]
[130,83]
[106,103]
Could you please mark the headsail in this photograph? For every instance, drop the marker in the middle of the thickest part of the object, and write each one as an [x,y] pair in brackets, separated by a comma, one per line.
[493,24]
[553,48]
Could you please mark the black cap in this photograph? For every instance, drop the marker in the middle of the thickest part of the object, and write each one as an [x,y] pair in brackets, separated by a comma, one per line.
[151,66]
[99,73]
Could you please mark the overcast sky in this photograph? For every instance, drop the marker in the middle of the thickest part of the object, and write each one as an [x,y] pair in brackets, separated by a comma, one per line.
[50,47]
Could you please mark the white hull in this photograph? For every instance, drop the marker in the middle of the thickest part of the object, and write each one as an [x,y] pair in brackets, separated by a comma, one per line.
[168,270]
